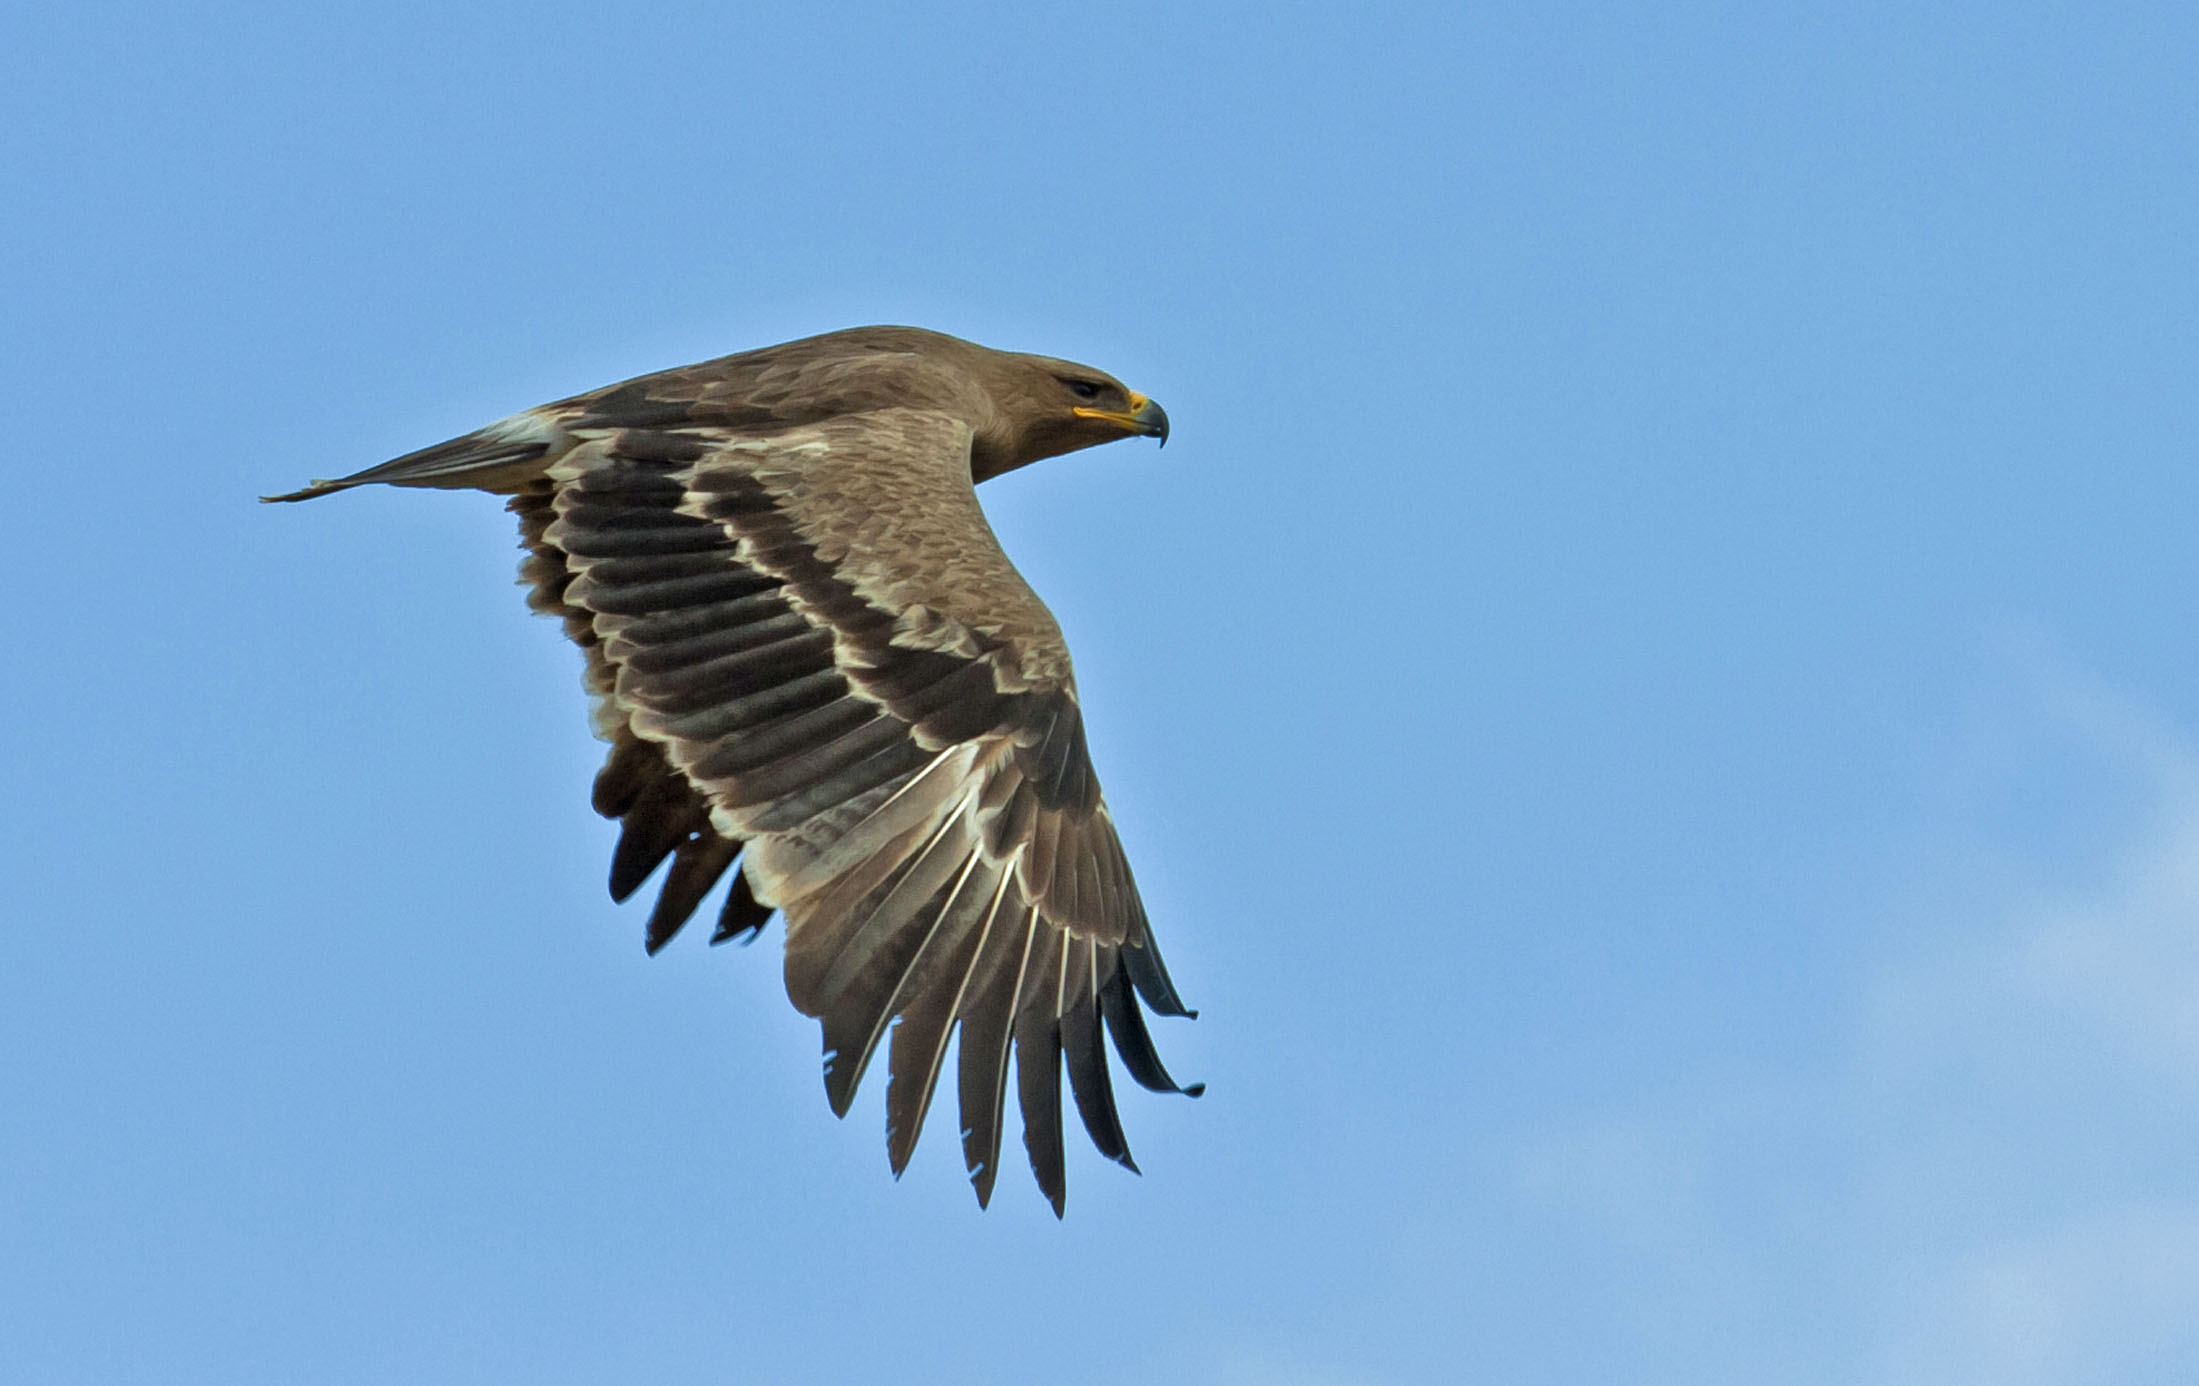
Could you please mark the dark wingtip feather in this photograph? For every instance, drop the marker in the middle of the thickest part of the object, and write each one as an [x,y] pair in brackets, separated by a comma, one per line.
[744,916]
[1150,976]
[838,1095]
[987,1026]
[981,1181]
[697,864]
[665,816]
[918,1050]
[1133,1042]
[981,1155]
[898,1153]
[634,859]
[1086,1056]
[845,1064]
[1038,1089]
[631,767]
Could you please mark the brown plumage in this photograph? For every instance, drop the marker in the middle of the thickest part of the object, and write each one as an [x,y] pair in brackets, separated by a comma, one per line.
[811,656]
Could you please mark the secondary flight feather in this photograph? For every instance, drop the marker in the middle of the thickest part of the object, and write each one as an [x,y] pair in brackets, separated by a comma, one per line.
[819,674]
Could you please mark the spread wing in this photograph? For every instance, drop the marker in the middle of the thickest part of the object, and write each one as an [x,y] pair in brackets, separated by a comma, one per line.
[809,652]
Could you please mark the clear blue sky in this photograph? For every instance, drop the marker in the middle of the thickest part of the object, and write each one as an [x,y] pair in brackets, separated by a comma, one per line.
[1654,693]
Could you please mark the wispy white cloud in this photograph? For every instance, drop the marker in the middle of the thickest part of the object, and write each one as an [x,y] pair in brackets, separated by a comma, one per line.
[1993,1175]
[2109,1295]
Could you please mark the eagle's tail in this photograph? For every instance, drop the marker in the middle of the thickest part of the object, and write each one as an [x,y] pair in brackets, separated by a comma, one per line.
[502,457]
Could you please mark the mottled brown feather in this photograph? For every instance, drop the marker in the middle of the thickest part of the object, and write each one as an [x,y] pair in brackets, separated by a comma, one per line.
[809,654]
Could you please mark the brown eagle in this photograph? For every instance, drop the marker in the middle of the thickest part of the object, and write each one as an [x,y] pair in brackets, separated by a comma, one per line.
[810,656]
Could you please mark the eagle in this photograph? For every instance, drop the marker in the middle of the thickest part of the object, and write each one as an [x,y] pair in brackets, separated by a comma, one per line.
[817,670]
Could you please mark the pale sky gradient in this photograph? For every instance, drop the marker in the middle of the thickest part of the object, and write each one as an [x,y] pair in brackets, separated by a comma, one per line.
[1654,693]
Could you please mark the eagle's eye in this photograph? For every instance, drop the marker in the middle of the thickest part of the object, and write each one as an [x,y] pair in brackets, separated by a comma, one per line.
[1084,389]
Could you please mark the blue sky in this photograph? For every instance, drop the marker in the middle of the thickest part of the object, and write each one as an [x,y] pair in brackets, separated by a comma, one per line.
[1653,693]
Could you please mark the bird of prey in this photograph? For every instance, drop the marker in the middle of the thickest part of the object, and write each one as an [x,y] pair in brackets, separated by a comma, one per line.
[811,657]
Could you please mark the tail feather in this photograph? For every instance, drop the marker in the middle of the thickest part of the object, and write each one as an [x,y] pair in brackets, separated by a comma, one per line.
[502,457]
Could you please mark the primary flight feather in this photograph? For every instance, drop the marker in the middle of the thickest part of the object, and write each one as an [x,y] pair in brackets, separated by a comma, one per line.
[816,667]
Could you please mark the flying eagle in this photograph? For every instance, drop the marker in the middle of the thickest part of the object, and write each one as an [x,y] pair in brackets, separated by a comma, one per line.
[810,656]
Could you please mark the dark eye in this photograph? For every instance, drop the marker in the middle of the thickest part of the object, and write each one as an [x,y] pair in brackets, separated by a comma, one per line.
[1084,389]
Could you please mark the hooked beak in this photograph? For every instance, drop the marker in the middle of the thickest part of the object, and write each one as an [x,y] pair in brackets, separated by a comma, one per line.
[1143,417]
